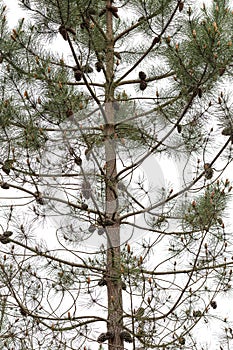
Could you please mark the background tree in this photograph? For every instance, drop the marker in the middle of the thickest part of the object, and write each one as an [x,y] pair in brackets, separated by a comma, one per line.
[131,81]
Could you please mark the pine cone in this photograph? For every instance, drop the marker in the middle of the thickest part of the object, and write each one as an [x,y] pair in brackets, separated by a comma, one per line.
[101,338]
[143,85]
[181,6]
[111,8]
[181,340]
[99,66]
[115,14]
[156,40]
[91,228]
[78,75]
[40,201]
[101,231]
[126,337]
[5,186]
[69,113]
[87,153]
[91,11]
[7,233]
[208,171]
[213,304]
[63,32]
[179,128]
[84,206]
[78,161]
[142,75]
[221,71]
[197,313]
[23,311]
[199,92]
[123,285]
[7,166]
[109,335]
[228,131]
[39,198]
[4,239]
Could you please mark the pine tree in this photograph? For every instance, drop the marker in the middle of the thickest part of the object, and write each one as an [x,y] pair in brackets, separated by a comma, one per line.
[90,91]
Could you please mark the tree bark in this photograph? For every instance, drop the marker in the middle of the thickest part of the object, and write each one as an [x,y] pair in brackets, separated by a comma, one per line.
[114,284]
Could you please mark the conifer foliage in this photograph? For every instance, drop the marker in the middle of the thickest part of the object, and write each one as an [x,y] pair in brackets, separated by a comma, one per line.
[94,254]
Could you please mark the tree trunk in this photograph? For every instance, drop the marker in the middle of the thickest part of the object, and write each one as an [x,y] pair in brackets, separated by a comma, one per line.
[114,285]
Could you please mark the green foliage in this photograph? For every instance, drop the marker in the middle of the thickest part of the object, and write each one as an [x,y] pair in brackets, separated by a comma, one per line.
[207,209]
[206,52]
